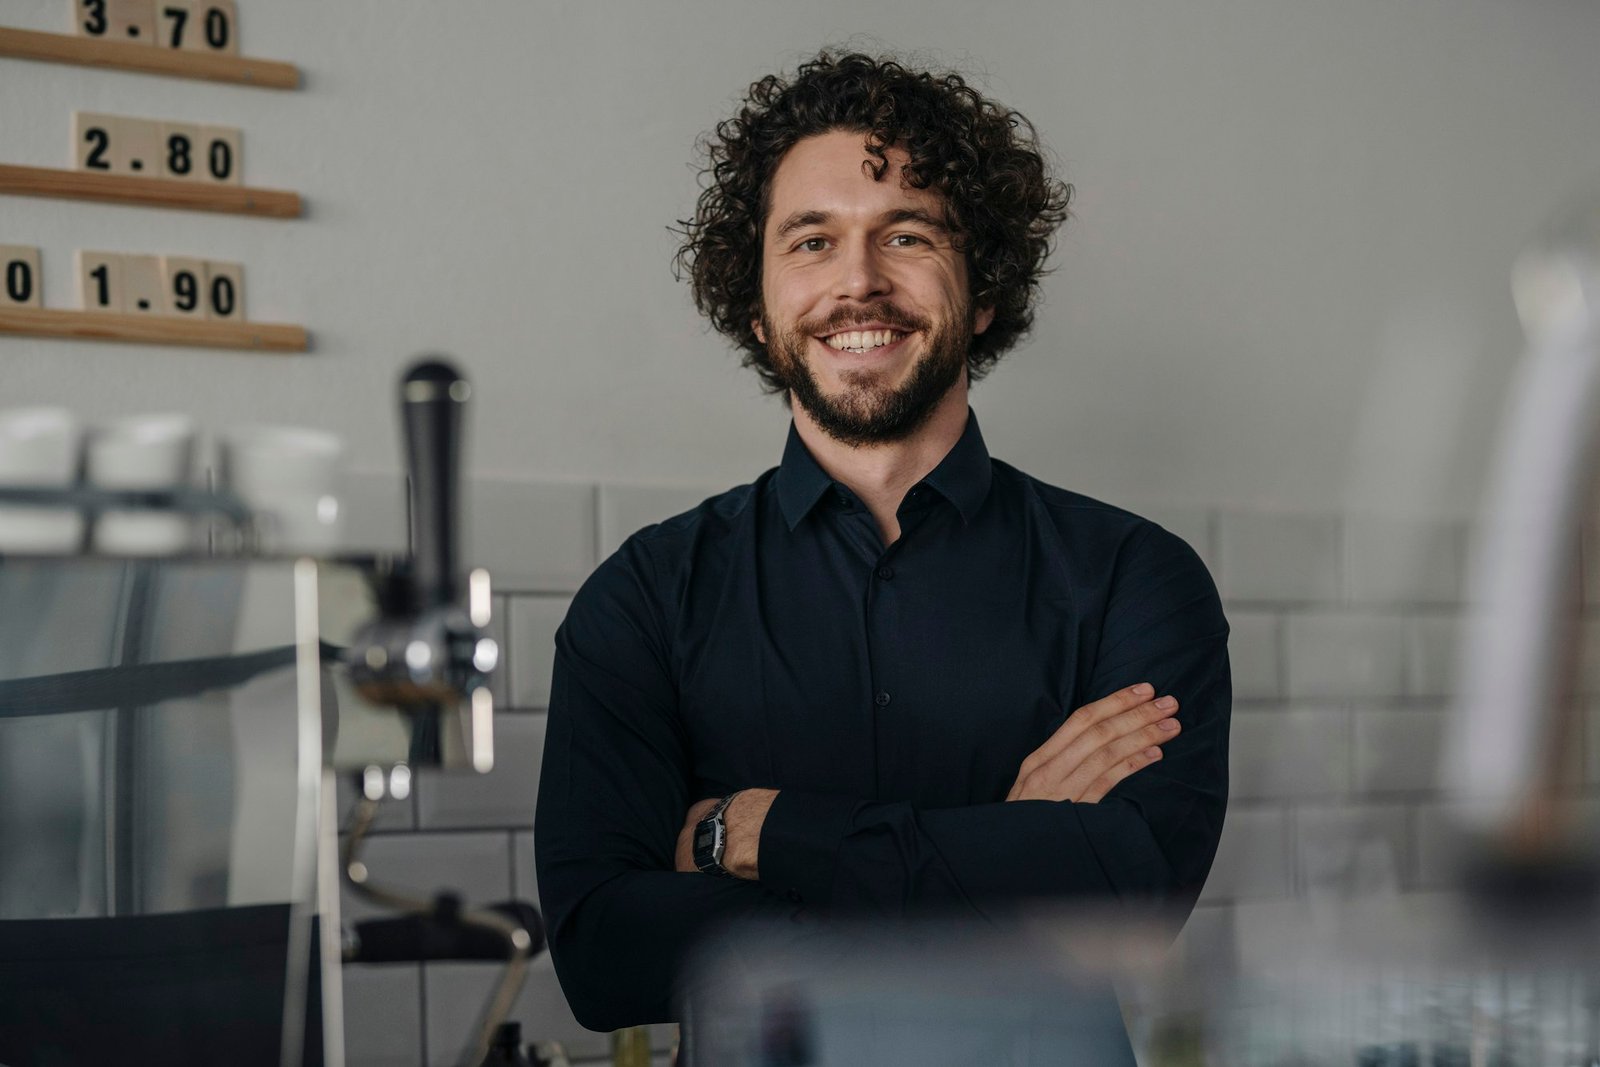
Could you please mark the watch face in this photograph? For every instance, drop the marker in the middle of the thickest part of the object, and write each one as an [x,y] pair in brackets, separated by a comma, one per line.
[705,835]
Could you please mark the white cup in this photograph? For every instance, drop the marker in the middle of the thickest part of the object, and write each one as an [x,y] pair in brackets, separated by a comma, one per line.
[39,449]
[289,477]
[149,452]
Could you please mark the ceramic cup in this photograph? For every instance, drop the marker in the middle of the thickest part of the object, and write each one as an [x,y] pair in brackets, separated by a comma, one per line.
[289,476]
[39,450]
[148,452]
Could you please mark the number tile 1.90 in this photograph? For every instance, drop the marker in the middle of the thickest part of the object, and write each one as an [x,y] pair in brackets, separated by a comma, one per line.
[19,276]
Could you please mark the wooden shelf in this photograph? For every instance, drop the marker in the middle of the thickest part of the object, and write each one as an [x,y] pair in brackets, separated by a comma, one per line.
[148,59]
[152,330]
[148,192]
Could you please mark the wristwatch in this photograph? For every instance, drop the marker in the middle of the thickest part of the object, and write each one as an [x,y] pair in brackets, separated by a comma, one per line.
[711,839]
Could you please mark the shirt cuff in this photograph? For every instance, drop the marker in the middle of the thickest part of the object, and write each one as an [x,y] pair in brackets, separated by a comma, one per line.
[800,841]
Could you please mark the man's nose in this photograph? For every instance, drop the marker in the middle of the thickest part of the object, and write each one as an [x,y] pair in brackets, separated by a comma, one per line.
[862,273]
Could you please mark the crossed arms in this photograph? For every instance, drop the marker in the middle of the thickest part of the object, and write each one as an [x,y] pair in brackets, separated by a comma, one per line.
[1091,812]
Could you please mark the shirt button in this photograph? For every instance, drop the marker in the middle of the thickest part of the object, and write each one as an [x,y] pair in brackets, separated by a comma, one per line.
[886,572]
[882,700]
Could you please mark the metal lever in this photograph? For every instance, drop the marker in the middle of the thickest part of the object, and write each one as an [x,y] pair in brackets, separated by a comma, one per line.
[428,652]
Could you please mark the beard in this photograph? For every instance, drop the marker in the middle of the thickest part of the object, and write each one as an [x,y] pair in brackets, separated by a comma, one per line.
[868,410]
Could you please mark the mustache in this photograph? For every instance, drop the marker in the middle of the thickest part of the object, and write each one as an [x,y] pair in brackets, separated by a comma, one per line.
[849,318]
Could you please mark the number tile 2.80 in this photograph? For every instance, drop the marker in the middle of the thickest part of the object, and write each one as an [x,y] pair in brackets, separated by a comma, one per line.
[176,286]
[192,25]
[181,151]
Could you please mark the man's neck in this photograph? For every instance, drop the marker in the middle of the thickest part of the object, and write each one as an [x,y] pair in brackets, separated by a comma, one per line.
[880,474]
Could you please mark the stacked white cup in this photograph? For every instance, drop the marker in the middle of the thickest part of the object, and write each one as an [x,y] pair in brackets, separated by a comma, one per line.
[39,450]
[289,477]
[151,453]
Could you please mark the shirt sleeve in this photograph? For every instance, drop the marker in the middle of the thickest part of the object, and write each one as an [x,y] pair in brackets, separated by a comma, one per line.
[614,788]
[1152,837]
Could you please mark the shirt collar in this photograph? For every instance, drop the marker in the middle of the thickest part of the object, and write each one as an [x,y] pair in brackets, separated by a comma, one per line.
[962,477]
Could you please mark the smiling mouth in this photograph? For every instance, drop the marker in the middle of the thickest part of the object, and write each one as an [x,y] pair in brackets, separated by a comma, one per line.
[860,341]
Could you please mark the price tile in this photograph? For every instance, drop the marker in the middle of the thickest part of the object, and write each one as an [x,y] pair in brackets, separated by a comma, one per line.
[99,281]
[131,20]
[136,147]
[224,291]
[177,25]
[182,155]
[93,139]
[214,27]
[184,284]
[19,276]
[222,146]
[143,288]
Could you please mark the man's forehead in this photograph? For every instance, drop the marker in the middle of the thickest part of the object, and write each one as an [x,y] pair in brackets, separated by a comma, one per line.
[833,174]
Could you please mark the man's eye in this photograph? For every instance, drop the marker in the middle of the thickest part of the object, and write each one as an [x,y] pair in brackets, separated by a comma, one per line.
[814,244]
[906,240]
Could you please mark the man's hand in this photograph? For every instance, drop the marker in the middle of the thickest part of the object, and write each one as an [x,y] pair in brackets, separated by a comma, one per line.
[743,821]
[1098,746]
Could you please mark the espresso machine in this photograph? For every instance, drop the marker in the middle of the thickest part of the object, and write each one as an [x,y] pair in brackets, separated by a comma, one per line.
[174,731]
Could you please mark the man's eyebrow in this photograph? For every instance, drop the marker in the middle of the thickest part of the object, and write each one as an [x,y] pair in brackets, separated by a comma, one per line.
[917,215]
[802,219]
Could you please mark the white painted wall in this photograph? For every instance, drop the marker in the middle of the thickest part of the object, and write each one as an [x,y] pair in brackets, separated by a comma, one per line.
[1285,285]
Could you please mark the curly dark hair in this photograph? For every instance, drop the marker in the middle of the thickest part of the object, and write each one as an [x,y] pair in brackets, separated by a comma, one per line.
[1005,206]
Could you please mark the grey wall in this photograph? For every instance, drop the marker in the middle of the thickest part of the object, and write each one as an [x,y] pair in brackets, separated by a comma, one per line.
[1286,283]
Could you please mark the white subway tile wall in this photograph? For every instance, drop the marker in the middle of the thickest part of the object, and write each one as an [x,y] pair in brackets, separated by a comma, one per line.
[1344,638]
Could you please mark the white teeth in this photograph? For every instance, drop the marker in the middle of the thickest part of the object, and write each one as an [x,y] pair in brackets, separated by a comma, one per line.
[862,340]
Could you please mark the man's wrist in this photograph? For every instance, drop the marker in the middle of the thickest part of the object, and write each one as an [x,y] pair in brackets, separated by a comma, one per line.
[744,818]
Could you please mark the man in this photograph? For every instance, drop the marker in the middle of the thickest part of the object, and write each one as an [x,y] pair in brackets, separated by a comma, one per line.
[874,649]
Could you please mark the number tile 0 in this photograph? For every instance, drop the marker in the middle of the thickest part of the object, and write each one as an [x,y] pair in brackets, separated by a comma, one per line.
[184,285]
[20,284]
[224,293]
[219,158]
[215,26]
[142,289]
[99,281]
[182,156]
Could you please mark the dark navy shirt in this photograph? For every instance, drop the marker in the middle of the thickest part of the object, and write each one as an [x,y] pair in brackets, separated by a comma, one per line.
[769,638]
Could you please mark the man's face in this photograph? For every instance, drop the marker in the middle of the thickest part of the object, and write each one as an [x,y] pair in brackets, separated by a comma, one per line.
[865,301]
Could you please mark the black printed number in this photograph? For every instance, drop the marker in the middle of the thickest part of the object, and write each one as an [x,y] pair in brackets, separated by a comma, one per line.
[217,28]
[178,161]
[219,160]
[100,140]
[94,17]
[223,298]
[19,281]
[102,277]
[178,17]
[185,290]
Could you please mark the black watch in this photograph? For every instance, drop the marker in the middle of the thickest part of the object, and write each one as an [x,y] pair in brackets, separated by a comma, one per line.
[711,840]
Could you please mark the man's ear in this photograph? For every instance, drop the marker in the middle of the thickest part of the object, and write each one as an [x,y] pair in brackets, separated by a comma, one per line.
[761,335]
[982,319]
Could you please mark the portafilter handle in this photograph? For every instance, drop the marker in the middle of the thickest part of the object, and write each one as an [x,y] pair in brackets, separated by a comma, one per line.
[433,396]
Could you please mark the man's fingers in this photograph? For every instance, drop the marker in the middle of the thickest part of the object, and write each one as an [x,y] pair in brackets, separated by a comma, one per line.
[1107,730]
[1117,772]
[1108,758]
[1071,772]
[1090,715]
